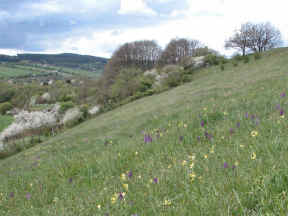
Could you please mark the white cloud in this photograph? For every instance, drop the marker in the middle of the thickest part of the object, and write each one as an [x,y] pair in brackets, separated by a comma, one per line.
[135,7]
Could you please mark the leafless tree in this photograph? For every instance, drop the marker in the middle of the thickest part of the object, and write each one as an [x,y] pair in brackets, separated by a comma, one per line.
[177,49]
[240,39]
[256,37]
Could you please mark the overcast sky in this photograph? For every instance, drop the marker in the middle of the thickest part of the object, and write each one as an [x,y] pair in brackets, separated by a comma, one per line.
[98,27]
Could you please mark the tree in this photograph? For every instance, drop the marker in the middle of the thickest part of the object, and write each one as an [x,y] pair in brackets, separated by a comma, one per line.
[256,37]
[263,36]
[177,49]
[240,39]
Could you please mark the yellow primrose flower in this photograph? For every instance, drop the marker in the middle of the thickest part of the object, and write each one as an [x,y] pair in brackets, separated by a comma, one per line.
[136,153]
[225,113]
[282,116]
[114,198]
[99,206]
[254,133]
[184,162]
[236,163]
[205,108]
[191,165]
[253,156]
[123,176]
[167,202]
[205,156]
[192,176]
[125,186]
[169,166]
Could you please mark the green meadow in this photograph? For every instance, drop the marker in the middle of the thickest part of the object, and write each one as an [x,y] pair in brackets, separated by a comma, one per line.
[214,146]
[5,121]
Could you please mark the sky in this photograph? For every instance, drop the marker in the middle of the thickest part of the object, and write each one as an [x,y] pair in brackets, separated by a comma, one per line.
[99,27]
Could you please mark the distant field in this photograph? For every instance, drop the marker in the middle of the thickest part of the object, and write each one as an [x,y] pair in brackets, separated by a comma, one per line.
[9,72]
[21,70]
[5,121]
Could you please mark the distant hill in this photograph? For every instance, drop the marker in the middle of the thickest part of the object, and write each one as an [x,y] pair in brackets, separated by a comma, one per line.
[61,60]
[79,64]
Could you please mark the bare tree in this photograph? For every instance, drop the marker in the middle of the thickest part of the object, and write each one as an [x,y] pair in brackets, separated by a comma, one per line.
[256,37]
[263,36]
[177,49]
[240,39]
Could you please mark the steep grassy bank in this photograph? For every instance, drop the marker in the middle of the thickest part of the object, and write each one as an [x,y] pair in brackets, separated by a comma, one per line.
[215,146]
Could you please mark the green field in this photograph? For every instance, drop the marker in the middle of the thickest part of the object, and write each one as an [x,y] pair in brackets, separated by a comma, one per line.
[214,146]
[5,121]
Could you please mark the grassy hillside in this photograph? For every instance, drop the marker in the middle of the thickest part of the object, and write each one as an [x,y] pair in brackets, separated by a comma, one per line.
[215,146]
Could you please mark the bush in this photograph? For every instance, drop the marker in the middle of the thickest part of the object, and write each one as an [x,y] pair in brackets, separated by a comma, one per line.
[65,106]
[222,67]
[234,63]
[66,98]
[257,56]
[85,111]
[213,59]
[246,59]
[6,95]
[4,107]
[174,79]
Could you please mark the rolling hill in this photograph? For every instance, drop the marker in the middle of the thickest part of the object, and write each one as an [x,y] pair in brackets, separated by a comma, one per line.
[214,146]
[27,65]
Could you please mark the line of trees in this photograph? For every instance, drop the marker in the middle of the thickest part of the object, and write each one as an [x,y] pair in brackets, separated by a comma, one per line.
[256,37]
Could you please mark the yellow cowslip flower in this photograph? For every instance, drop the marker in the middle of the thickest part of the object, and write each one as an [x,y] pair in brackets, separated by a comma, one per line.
[184,162]
[167,202]
[225,113]
[192,176]
[254,133]
[236,163]
[123,177]
[205,156]
[191,165]
[99,206]
[205,108]
[212,150]
[114,198]
[136,153]
[282,116]
[169,166]
[253,156]
[125,186]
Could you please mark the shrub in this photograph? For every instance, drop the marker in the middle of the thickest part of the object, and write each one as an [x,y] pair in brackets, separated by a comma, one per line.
[213,59]
[6,95]
[66,98]
[4,107]
[174,79]
[246,59]
[257,56]
[85,111]
[222,67]
[234,63]
[65,106]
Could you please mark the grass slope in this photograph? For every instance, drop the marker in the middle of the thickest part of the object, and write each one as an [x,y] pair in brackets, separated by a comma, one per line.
[218,147]
[5,121]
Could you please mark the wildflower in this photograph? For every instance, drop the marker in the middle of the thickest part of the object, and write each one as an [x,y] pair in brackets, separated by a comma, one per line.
[238,125]
[155,180]
[126,186]
[114,198]
[202,123]
[205,108]
[253,156]
[225,165]
[236,163]
[191,165]
[225,113]
[184,162]
[121,195]
[99,206]
[123,176]
[205,156]
[281,112]
[246,115]
[212,150]
[55,199]
[192,176]
[130,174]
[136,153]
[167,202]
[254,133]
[278,107]
[283,94]
[231,131]
[242,146]
[192,157]
[147,138]
[198,138]
[185,126]
[169,166]
[253,117]
[11,195]
[181,138]
[70,180]
[28,196]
